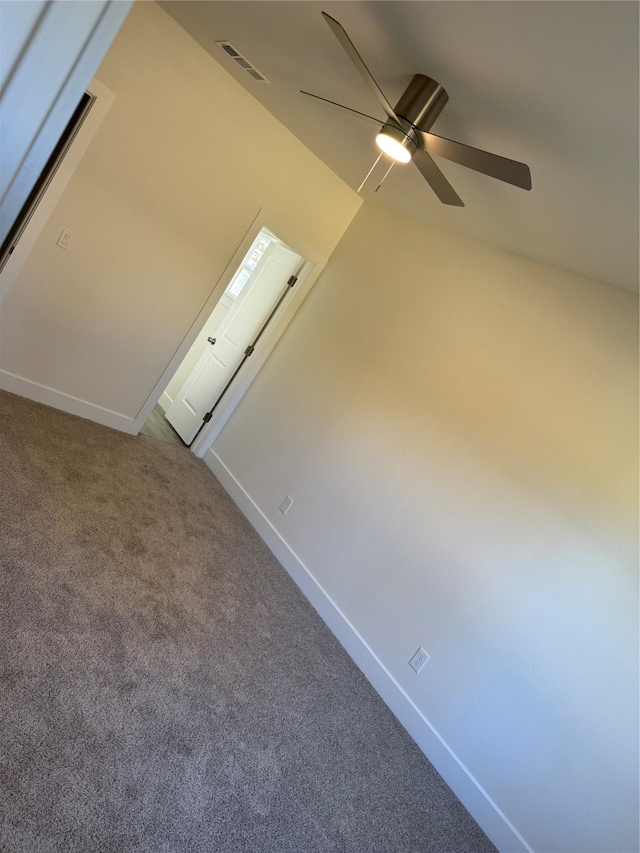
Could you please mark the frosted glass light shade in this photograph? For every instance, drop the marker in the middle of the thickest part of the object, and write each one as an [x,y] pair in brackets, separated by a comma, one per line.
[392,147]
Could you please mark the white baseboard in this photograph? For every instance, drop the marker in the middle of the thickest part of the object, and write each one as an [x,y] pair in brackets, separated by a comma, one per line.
[65,402]
[475,799]
[165,401]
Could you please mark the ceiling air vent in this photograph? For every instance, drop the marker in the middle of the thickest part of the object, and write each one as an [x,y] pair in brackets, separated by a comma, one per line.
[240,60]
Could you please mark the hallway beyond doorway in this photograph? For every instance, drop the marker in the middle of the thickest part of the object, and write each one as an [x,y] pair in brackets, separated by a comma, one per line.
[158,427]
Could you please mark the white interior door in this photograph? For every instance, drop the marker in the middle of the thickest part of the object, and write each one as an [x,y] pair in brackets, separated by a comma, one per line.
[237,331]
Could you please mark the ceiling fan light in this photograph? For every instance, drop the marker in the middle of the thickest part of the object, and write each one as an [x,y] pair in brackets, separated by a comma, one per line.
[393,148]
[395,143]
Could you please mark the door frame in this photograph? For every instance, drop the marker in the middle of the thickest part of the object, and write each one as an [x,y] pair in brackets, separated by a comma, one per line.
[103,100]
[313,264]
[42,87]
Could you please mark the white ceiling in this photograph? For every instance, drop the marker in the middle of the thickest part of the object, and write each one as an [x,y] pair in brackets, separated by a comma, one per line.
[552,84]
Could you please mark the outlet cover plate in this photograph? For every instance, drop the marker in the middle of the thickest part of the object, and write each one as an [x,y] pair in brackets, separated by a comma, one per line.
[285,506]
[418,660]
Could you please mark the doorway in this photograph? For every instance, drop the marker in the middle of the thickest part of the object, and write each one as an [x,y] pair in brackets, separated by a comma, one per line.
[82,127]
[45,177]
[255,295]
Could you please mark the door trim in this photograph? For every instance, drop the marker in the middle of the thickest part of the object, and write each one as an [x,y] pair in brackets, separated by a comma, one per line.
[313,266]
[103,99]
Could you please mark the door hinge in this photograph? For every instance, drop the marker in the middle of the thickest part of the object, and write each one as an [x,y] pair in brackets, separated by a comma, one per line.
[249,350]
[207,418]
[292,280]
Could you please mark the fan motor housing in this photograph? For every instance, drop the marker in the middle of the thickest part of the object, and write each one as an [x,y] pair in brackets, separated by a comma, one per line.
[421,102]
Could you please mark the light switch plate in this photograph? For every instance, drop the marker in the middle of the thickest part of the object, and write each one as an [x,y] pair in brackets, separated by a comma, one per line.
[63,240]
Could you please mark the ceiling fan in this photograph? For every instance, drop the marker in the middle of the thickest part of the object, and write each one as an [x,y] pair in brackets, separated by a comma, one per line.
[406,134]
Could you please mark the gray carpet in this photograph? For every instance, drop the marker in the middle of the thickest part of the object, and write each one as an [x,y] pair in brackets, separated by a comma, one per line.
[164,686]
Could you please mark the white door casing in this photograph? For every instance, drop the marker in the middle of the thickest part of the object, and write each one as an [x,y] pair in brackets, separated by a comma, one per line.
[237,331]
[48,53]
[310,271]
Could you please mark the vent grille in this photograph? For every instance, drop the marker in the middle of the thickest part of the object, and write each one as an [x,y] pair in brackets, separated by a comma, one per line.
[242,61]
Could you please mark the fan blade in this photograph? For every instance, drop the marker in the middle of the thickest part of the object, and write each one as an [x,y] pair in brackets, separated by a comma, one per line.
[342,107]
[436,180]
[354,56]
[493,165]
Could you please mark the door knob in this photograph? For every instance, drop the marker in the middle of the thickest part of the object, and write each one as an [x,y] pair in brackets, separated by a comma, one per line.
[211,340]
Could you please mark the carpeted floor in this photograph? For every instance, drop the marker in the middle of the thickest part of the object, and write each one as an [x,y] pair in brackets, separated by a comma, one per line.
[164,686]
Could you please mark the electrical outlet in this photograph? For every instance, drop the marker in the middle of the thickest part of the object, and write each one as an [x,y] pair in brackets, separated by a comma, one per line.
[285,506]
[418,660]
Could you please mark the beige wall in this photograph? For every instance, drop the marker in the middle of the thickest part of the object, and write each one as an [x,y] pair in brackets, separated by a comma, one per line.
[160,202]
[458,429]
